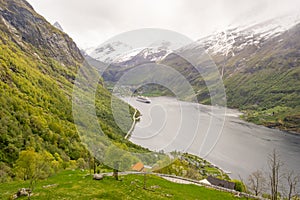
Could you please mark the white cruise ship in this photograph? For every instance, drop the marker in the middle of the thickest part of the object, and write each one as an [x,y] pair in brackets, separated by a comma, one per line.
[143,99]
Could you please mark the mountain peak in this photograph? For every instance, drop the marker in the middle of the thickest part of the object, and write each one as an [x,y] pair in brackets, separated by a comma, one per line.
[19,20]
[58,26]
[236,38]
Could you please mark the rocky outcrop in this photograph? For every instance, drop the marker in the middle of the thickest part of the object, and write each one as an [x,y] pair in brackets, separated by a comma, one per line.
[23,192]
[27,26]
[58,26]
[98,177]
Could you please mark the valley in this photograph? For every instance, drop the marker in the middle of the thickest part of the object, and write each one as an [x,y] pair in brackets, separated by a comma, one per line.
[258,65]
[217,108]
[241,148]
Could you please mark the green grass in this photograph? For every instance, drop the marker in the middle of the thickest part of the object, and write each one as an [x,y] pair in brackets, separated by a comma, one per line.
[79,185]
[285,118]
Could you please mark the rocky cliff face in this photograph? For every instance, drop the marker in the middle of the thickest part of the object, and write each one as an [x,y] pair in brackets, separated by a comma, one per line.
[24,25]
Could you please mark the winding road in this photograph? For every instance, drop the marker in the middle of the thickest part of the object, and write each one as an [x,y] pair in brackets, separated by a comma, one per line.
[133,124]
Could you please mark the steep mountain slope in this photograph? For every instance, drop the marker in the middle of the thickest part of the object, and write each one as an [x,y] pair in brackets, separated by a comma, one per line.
[235,39]
[38,66]
[260,70]
[20,20]
[267,81]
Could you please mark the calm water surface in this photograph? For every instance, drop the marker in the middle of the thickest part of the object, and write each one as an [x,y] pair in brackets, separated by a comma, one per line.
[222,138]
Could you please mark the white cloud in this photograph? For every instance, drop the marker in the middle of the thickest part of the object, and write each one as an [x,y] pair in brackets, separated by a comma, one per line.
[91,22]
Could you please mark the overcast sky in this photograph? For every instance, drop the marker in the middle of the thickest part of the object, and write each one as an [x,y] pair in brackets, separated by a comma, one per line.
[91,22]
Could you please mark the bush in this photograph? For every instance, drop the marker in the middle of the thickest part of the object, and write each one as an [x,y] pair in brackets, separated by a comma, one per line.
[239,186]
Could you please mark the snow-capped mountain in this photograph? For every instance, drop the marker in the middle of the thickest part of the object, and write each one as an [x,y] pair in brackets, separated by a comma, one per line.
[258,63]
[142,56]
[107,53]
[226,43]
[153,54]
[233,40]
[111,53]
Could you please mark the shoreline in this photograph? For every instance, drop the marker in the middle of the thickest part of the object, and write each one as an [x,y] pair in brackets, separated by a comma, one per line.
[127,136]
[237,131]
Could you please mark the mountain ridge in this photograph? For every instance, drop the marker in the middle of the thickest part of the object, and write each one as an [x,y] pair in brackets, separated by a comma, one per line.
[42,35]
[269,48]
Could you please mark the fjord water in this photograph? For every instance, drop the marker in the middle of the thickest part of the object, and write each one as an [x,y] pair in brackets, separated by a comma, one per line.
[241,148]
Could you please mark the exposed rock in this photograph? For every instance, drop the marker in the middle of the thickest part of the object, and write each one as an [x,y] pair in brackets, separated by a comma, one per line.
[58,26]
[221,183]
[22,192]
[98,176]
[24,24]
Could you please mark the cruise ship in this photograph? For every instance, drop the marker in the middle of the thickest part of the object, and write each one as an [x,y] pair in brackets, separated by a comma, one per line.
[143,99]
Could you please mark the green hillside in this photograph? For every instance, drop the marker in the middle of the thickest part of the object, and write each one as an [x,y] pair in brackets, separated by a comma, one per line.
[266,84]
[262,82]
[38,66]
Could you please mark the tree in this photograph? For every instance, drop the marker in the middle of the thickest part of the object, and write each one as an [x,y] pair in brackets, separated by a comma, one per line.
[112,159]
[5,172]
[126,161]
[274,176]
[33,166]
[81,164]
[145,180]
[57,163]
[256,182]
[239,186]
[292,181]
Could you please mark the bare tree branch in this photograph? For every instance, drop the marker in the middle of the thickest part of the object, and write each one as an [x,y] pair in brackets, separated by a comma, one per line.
[292,182]
[257,182]
[275,165]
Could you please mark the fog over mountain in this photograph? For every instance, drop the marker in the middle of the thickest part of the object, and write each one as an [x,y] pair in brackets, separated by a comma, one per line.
[92,22]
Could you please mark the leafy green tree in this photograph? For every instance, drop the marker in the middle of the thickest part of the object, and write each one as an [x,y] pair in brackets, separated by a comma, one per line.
[239,186]
[5,173]
[81,164]
[112,158]
[57,163]
[127,160]
[33,166]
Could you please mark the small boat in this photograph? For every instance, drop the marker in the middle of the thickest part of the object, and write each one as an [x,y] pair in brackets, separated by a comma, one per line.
[143,99]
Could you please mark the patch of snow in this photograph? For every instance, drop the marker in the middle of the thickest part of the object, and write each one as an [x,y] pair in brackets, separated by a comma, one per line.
[108,52]
[236,38]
